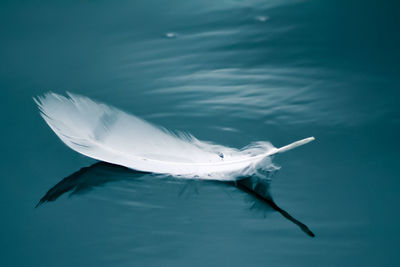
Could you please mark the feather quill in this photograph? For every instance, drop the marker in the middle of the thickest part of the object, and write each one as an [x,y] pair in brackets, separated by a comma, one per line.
[108,134]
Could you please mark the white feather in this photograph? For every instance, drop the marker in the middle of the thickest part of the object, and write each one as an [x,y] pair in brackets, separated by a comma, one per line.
[106,133]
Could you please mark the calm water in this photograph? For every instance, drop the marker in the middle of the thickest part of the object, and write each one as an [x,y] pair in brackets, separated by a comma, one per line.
[230,72]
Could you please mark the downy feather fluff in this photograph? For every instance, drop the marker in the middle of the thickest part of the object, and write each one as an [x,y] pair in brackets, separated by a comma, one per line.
[108,134]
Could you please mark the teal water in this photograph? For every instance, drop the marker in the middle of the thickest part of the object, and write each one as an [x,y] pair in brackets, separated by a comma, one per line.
[231,72]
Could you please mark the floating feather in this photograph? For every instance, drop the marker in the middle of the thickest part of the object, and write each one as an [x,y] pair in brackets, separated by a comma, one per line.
[108,134]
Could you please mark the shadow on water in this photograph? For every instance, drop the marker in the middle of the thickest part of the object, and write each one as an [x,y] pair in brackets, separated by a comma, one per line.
[100,173]
[259,188]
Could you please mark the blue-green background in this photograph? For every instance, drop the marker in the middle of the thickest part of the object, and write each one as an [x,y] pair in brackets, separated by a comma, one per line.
[328,69]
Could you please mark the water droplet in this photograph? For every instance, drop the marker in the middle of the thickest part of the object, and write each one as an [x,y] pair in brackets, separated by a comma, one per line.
[170,35]
[262,18]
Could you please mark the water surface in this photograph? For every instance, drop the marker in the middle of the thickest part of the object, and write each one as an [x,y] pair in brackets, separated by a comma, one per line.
[230,72]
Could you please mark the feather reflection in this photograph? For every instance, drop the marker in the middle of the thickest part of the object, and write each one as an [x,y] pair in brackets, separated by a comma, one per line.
[101,173]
